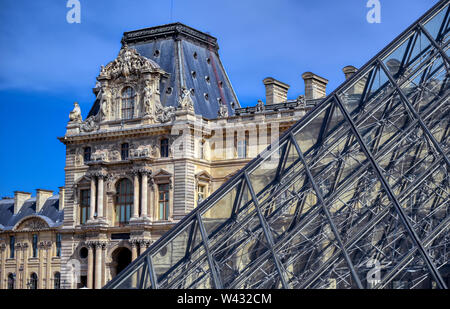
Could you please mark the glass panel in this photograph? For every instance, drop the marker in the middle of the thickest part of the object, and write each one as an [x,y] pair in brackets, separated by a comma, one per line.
[437,26]
[437,245]
[384,243]
[371,88]
[133,280]
[264,277]
[310,250]
[337,276]
[307,137]
[408,56]
[408,159]
[239,250]
[427,203]
[438,124]
[428,85]
[265,173]
[220,211]
[384,123]
[174,251]
[358,204]
[414,275]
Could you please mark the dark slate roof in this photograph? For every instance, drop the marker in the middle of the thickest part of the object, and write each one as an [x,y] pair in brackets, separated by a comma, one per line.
[173,47]
[50,212]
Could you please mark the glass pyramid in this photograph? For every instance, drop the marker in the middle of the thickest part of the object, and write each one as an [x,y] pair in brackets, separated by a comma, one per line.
[354,195]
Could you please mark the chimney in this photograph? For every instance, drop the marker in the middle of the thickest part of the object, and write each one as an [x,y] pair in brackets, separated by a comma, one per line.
[349,71]
[276,91]
[315,86]
[62,192]
[19,199]
[41,197]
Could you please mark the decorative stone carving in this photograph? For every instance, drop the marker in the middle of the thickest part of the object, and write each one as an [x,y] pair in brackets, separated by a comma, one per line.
[147,97]
[32,224]
[165,114]
[105,103]
[89,125]
[223,111]
[129,62]
[185,102]
[260,106]
[75,114]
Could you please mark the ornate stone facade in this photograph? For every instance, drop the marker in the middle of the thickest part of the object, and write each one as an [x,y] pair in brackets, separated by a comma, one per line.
[136,166]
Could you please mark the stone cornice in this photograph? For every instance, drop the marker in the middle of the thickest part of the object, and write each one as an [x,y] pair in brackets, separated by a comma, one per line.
[174,30]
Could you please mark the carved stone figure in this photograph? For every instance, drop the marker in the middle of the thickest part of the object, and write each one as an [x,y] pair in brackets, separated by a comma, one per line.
[223,111]
[75,114]
[260,106]
[186,103]
[147,99]
[105,104]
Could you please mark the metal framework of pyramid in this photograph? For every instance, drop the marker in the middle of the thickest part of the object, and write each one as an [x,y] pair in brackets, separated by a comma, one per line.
[354,195]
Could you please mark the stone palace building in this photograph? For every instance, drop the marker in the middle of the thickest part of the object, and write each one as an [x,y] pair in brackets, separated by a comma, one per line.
[165,131]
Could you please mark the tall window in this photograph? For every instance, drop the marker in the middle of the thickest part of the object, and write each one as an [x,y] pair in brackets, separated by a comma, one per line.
[87,154]
[33,281]
[35,245]
[124,201]
[85,205]
[202,149]
[128,96]
[124,151]
[242,148]
[11,281]
[163,190]
[58,244]
[164,148]
[12,242]
[57,281]
[201,191]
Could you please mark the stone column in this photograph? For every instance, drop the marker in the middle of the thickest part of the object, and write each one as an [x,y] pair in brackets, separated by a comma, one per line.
[152,200]
[136,196]
[92,208]
[2,265]
[98,265]
[144,204]
[104,279]
[100,198]
[90,270]
[41,265]
[49,265]
[133,250]
[25,265]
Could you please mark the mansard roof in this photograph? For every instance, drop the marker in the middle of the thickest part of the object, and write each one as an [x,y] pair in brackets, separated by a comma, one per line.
[191,58]
[50,212]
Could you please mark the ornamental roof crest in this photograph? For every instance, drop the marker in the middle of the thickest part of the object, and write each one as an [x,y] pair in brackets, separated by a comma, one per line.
[127,63]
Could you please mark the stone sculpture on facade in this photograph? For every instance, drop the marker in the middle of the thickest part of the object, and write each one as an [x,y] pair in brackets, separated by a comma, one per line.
[223,111]
[75,114]
[185,102]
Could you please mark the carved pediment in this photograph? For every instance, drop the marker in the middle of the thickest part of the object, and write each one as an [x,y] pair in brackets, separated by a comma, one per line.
[127,63]
[32,224]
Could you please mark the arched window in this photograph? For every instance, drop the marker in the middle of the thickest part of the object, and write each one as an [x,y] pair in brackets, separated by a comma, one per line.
[11,281]
[33,281]
[57,281]
[128,97]
[124,201]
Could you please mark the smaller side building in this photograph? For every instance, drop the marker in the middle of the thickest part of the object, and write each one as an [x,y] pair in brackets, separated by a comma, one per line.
[30,245]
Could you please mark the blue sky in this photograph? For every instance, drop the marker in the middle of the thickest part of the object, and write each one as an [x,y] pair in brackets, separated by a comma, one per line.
[47,64]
